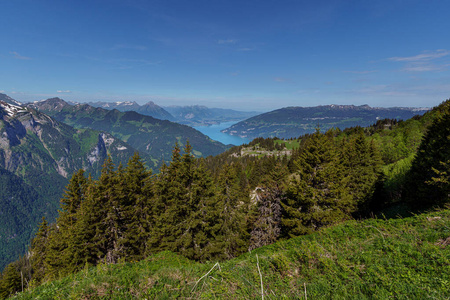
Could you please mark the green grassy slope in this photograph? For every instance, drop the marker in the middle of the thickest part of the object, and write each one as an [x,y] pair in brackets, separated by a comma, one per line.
[372,259]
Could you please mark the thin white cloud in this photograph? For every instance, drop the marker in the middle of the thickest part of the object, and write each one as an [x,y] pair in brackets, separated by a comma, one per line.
[63,92]
[228,41]
[431,55]
[18,56]
[424,68]
[425,62]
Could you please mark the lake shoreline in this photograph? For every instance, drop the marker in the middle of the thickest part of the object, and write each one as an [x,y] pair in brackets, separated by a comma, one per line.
[215,133]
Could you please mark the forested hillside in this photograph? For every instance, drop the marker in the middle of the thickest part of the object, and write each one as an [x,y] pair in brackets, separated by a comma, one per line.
[221,207]
[291,122]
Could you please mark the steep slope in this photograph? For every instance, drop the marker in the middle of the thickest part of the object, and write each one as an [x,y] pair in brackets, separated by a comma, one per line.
[292,122]
[148,109]
[197,115]
[20,211]
[149,135]
[37,156]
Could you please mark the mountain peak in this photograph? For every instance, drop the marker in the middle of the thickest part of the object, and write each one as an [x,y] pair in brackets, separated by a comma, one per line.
[5,98]
[150,103]
[55,104]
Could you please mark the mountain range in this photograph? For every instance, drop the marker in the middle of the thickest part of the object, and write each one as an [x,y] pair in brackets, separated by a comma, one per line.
[197,115]
[148,109]
[192,115]
[150,136]
[291,122]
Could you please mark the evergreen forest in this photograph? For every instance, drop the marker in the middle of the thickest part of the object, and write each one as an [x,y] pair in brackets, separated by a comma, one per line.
[218,208]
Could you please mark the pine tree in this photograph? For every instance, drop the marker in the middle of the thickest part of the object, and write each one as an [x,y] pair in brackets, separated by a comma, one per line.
[110,225]
[72,198]
[228,213]
[315,197]
[199,224]
[360,165]
[11,281]
[138,208]
[98,226]
[61,245]
[183,193]
[428,177]
[39,251]
[168,209]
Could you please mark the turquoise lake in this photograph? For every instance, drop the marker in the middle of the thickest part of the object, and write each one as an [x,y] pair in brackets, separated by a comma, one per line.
[214,133]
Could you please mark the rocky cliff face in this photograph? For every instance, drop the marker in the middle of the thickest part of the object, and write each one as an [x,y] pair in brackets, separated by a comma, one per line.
[30,139]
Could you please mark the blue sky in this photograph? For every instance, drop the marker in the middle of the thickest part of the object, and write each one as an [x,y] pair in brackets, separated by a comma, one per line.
[247,55]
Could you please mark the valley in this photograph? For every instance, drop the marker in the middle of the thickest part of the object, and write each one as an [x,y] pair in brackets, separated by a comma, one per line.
[263,185]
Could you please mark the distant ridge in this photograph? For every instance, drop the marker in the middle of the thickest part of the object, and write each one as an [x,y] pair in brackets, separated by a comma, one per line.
[198,115]
[148,109]
[295,121]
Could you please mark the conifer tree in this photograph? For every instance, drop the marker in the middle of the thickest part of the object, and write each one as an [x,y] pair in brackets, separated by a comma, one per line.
[61,244]
[138,213]
[98,228]
[10,281]
[229,212]
[110,226]
[199,223]
[72,198]
[168,210]
[360,165]
[428,178]
[39,251]
[183,193]
[315,197]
